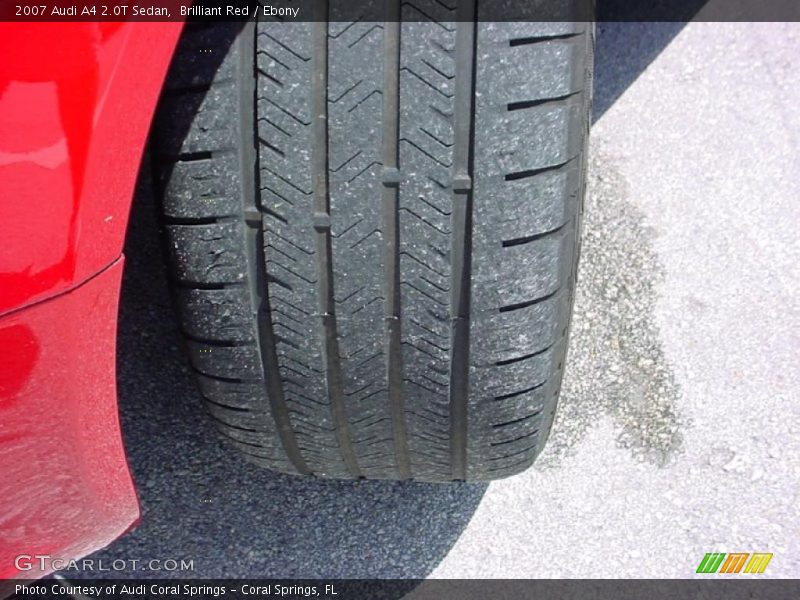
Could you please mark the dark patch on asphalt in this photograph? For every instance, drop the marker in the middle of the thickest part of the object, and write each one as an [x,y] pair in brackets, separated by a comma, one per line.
[615,364]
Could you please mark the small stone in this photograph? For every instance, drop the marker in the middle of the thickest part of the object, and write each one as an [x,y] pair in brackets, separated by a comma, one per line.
[736,465]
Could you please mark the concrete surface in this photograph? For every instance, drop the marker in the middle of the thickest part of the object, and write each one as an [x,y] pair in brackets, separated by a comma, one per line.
[678,428]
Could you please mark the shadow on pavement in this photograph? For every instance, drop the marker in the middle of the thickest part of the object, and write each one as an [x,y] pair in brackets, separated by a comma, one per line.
[629,36]
[623,50]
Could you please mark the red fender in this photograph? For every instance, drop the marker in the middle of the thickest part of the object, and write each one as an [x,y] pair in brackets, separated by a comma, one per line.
[76,102]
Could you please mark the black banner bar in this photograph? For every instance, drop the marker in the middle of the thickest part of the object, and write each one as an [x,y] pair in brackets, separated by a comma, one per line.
[367,10]
[713,587]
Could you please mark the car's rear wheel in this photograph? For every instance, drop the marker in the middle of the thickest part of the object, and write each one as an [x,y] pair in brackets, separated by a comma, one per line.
[373,234]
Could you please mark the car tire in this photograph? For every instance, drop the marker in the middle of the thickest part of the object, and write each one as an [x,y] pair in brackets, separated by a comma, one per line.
[373,233]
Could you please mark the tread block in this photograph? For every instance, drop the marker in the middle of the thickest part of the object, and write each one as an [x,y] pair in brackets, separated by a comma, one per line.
[203,188]
[520,332]
[238,394]
[247,437]
[560,66]
[212,129]
[508,276]
[534,205]
[501,380]
[217,314]
[508,408]
[210,254]
[230,362]
[531,139]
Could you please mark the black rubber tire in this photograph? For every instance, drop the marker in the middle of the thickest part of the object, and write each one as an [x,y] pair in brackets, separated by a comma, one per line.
[373,233]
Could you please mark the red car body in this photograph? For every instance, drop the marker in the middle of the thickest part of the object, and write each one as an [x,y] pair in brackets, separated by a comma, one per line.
[76,102]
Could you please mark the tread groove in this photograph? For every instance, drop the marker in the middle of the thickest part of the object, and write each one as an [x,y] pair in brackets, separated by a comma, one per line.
[194,156]
[516,359]
[526,436]
[256,267]
[205,285]
[527,303]
[535,39]
[520,392]
[512,106]
[223,378]
[534,172]
[536,236]
[461,239]
[391,230]
[170,220]
[324,258]
[516,421]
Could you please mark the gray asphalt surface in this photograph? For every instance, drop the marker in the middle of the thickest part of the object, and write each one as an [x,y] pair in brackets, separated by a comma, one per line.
[677,432]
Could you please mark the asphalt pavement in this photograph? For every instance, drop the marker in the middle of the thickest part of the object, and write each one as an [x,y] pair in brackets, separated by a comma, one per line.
[678,431]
